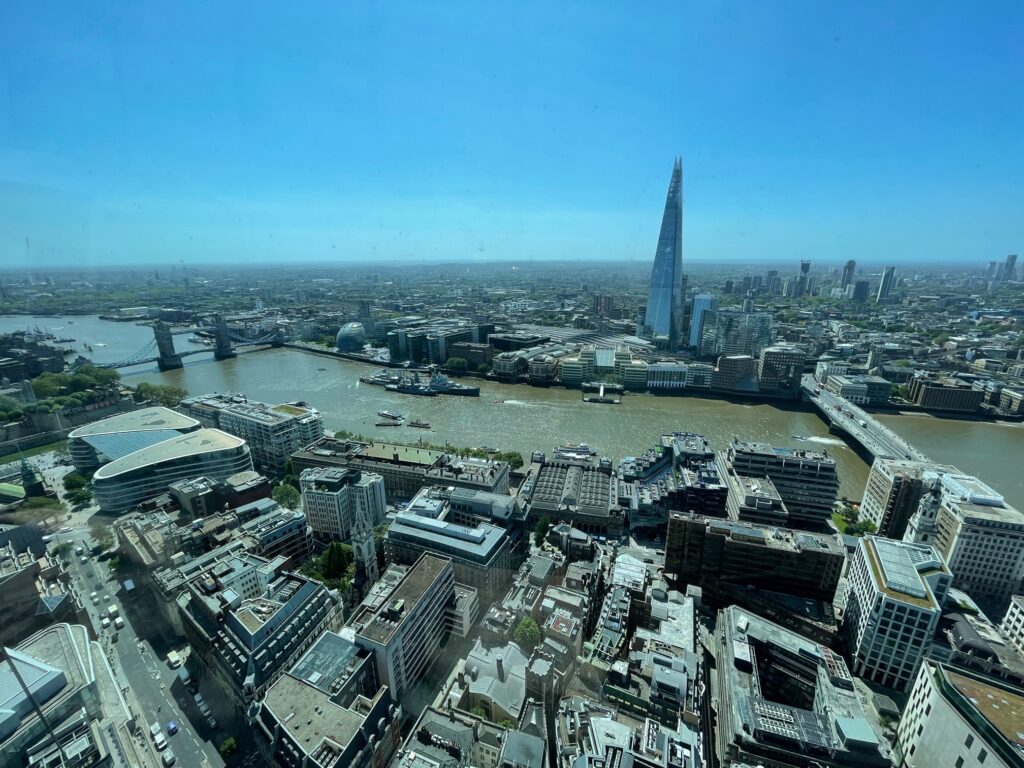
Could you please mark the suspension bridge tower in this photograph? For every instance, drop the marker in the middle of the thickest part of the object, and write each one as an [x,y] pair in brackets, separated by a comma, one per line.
[223,350]
[168,359]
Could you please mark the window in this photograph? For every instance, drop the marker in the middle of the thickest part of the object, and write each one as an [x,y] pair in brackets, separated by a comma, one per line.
[969,740]
[981,756]
[959,762]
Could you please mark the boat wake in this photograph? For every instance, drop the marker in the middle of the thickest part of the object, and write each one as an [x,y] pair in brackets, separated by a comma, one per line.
[826,441]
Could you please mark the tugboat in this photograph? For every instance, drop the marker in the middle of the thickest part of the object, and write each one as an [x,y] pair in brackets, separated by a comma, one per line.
[390,415]
[419,424]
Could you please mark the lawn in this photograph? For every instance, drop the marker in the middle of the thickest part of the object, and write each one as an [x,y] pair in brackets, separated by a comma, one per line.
[34,451]
[840,522]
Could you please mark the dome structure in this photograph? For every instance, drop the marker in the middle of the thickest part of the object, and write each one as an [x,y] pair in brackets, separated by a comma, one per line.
[351,337]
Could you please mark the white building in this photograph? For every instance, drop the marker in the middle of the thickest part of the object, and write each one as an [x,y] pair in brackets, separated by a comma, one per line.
[981,538]
[333,498]
[667,374]
[1013,622]
[958,719]
[894,599]
[273,432]
[404,623]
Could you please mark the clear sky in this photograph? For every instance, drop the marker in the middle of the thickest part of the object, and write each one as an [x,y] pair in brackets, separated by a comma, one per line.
[156,132]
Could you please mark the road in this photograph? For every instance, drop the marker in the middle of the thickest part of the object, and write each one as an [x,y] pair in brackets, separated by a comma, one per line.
[881,441]
[153,683]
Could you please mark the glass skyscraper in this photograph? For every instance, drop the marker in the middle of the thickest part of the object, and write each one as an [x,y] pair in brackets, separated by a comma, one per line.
[664,318]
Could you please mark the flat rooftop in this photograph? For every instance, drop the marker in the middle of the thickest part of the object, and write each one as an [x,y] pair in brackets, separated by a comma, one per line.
[310,717]
[409,591]
[899,570]
[1003,709]
[191,444]
[144,419]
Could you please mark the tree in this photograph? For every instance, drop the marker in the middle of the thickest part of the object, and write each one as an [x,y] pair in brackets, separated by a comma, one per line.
[457,365]
[73,481]
[514,459]
[228,747]
[527,634]
[287,496]
[483,369]
[541,530]
[102,535]
[167,395]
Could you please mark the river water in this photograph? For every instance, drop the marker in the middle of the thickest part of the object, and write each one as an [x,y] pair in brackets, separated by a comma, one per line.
[524,418]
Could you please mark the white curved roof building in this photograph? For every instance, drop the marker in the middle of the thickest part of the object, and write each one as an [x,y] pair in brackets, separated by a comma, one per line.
[109,439]
[137,476]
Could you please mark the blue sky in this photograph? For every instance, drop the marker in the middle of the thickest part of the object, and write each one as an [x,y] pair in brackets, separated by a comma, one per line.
[156,132]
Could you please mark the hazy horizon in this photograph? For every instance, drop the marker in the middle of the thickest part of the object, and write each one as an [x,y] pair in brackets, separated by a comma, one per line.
[133,136]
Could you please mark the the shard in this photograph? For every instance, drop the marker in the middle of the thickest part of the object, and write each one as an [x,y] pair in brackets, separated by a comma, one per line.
[664,318]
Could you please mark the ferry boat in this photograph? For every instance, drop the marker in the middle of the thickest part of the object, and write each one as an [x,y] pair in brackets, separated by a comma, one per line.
[419,424]
[390,415]
[388,423]
[381,378]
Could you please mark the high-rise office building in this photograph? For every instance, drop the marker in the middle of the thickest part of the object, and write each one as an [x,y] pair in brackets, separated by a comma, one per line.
[886,286]
[848,270]
[335,499]
[663,319]
[859,290]
[729,332]
[1009,268]
[894,598]
[702,302]
[803,280]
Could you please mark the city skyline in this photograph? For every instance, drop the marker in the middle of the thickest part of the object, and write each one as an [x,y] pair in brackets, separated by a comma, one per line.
[358,134]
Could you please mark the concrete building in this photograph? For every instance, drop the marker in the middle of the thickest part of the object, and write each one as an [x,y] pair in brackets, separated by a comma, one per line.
[937,393]
[74,689]
[754,500]
[405,468]
[142,474]
[332,498]
[491,680]
[981,538]
[248,620]
[961,719]
[328,711]
[722,557]
[788,702]
[114,437]
[36,588]
[894,490]
[577,492]
[887,284]
[403,623]
[807,481]
[1013,623]
[483,556]
[894,598]
[455,739]
[273,432]
[780,368]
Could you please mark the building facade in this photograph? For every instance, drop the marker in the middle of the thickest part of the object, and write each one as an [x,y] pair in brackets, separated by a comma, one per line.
[894,598]
[664,315]
[332,499]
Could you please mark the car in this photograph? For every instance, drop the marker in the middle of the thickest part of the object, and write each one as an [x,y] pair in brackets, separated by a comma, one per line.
[119,622]
[83,560]
[105,623]
[210,721]
[173,659]
[79,550]
[65,529]
[168,757]
[159,741]
[172,728]
[95,598]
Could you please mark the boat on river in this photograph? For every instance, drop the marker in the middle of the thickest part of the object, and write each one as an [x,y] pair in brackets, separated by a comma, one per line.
[419,424]
[390,415]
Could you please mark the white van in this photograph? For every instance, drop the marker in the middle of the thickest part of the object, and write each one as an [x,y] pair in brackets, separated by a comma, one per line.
[118,623]
[95,598]
[105,623]
[173,659]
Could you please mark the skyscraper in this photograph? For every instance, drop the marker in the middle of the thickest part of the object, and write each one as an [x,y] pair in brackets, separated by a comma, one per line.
[885,287]
[663,320]
[702,302]
[848,270]
[1009,268]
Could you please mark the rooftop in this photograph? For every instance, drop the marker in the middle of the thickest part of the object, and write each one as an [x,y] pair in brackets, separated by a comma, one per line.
[379,624]
[899,569]
[1000,707]
[310,718]
[191,444]
[144,419]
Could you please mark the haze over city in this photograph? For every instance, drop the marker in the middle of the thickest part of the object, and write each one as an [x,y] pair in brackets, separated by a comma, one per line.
[512,132]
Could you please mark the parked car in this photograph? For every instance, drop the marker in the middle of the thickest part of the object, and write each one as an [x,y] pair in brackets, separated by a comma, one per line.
[159,741]
[172,728]
[168,757]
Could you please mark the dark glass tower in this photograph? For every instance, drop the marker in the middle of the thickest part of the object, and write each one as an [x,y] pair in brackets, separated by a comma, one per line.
[664,317]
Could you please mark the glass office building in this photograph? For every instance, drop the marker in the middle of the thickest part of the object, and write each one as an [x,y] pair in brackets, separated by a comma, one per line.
[664,317]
